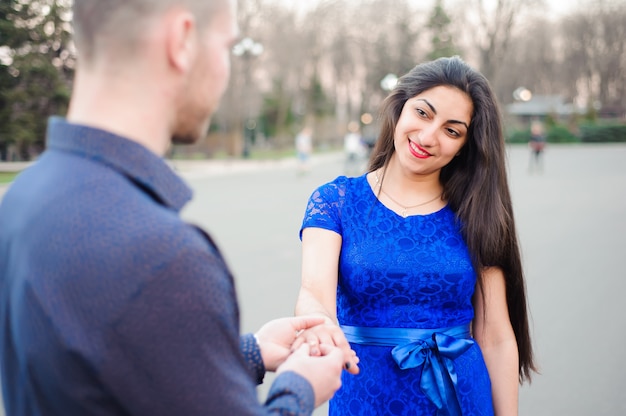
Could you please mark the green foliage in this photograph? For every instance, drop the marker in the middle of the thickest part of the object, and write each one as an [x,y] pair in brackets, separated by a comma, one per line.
[7,177]
[318,101]
[591,115]
[35,76]
[442,42]
[518,136]
[277,113]
[560,134]
[555,133]
[607,133]
[550,120]
[589,133]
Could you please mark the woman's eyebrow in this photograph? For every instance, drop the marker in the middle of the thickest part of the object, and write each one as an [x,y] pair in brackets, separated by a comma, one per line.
[459,122]
[432,108]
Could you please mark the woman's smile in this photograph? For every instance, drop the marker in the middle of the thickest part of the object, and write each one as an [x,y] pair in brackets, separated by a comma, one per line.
[418,151]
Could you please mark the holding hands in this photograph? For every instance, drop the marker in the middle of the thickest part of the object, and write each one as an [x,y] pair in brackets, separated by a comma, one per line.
[328,333]
[306,345]
[276,338]
[288,345]
[280,337]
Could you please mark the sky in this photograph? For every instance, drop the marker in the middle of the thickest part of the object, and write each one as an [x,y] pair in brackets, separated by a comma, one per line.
[555,7]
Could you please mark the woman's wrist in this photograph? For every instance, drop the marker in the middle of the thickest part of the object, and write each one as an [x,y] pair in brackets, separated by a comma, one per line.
[327,319]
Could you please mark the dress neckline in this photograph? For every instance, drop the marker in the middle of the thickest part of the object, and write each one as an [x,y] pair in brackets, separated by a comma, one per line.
[386,208]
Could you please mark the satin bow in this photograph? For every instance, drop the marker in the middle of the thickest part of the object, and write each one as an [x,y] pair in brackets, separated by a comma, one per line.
[438,381]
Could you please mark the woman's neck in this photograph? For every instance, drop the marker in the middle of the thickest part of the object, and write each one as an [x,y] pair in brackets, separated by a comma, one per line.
[401,181]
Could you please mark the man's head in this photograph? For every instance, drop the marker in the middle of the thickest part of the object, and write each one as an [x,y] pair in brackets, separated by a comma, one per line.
[121,25]
[181,46]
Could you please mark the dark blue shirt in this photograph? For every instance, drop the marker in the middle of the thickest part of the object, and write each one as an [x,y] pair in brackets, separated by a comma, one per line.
[110,304]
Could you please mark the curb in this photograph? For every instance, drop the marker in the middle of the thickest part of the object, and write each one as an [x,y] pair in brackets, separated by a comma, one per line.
[194,169]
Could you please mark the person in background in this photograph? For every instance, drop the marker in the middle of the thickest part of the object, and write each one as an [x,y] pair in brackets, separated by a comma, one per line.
[304,148]
[537,144]
[354,149]
[416,263]
[110,304]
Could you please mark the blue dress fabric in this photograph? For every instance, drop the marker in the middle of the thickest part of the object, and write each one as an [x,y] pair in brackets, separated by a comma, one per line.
[397,272]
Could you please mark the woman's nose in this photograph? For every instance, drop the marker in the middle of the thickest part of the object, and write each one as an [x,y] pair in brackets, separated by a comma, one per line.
[426,137]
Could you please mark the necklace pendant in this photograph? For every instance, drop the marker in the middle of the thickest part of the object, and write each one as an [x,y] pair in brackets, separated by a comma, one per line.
[403,213]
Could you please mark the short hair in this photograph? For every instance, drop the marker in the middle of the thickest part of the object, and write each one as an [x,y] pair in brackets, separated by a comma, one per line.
[104,24]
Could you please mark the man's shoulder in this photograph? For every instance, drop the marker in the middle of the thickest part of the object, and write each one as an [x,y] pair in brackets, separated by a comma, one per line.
[90,201]
[65,175]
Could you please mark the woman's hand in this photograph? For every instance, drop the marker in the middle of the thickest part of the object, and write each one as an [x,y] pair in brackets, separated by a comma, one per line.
[328,334]
[276,338]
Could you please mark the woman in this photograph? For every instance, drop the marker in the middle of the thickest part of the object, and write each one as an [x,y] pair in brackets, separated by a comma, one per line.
[416,263]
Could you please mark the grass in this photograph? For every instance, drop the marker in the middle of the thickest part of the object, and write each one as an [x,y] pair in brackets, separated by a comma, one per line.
[7,177]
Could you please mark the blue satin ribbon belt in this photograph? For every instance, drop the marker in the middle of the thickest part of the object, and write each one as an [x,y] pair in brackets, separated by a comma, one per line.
[435,349]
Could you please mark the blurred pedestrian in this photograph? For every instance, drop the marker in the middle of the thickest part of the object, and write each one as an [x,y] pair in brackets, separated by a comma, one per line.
[537,144]
[304,148]
[354,149]
[416,262]
[110,303]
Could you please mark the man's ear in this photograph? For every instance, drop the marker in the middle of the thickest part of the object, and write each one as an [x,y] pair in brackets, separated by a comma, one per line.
[181,41]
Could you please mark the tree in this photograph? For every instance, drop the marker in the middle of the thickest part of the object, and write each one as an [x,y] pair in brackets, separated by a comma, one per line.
[533,62]
[595,51]
[491,28]
[366,45]
[35,71]
[441,38]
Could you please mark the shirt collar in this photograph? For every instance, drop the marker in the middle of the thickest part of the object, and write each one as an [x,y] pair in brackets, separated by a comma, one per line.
[130,158]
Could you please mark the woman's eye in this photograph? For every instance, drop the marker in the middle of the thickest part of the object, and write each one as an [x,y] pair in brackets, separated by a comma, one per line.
[421,112]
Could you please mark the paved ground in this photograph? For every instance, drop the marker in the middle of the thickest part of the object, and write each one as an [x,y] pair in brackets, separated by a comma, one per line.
[571,224]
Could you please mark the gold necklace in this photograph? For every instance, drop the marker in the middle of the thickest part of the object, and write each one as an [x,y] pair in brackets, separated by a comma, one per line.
[405,210]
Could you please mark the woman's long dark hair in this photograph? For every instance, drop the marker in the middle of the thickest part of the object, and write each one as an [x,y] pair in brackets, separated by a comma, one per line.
[474,183]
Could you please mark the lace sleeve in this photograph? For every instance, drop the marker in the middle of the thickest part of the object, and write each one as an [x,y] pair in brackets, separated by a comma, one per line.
[323,209]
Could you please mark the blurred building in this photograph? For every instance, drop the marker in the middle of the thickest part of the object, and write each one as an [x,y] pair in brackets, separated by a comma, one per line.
[540,106]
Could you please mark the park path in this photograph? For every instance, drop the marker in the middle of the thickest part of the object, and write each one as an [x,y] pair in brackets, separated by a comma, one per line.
[572,227]
[572,231]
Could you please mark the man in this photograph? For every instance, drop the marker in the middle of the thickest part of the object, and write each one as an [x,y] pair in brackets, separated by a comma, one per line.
[110,304]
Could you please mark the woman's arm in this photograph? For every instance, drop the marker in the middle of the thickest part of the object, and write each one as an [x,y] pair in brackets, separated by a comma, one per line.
[493,331]
[318,292]
[320,269]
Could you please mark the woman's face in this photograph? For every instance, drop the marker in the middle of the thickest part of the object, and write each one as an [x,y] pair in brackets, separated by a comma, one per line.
[432,128]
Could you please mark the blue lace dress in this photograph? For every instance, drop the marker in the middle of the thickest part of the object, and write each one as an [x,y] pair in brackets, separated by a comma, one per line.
[396,272]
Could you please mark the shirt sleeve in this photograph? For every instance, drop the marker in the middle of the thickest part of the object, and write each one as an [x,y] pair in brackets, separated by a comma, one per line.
[290,390]
[252,354]
[176,348]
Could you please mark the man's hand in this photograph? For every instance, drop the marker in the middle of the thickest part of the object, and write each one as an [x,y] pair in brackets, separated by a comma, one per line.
[322,371]
[276,338]
[329,334]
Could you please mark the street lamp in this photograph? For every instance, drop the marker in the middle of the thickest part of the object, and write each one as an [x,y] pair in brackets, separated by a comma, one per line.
[248,49]
[522,94]
[389,82]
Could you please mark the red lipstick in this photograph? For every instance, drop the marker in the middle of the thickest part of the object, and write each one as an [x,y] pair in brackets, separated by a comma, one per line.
[420,153]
